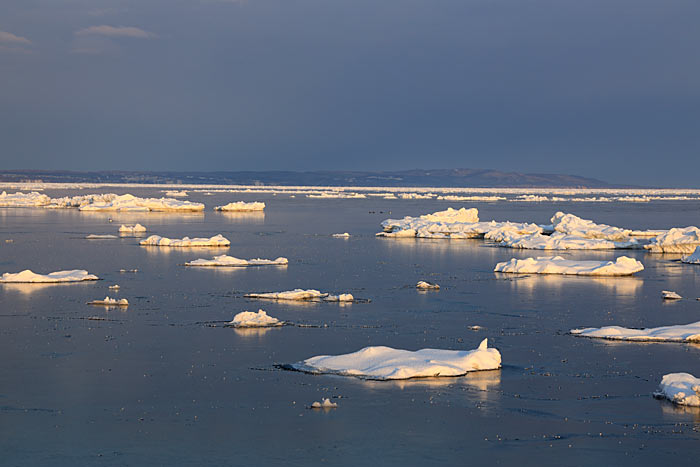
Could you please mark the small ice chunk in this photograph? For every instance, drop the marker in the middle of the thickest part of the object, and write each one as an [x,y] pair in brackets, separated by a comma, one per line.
[622,266]
[100,236]
[677,333]
[249,319]
[215,241]
[670,295]
[230,261]
[73,275]
[680,388]
[131,228]
[341,235]
[343,297]
[115,286]
[324,404]
[426,285]
[241,206]
[110,302]
[385,363]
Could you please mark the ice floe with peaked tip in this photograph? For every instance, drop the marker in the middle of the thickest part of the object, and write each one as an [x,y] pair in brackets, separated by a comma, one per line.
[693,258]
[426,285]
[670,295]
[157,240]
[130,202]
[677,333]
[250,319]
[324,404]
[676,240]
[302,294]
[680,388]
[386,363]
[131,229]
[241,206]
[110,302]
[230,261]
[27,276]
[622,266]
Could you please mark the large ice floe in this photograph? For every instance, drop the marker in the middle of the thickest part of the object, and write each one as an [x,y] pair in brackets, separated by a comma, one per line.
[622,266]
[73,275]
[241,206]
[386,363]
[230,261]
[110,302]
[677,333]
[23,200]
[215,241]
[677,240]
[301,294]
[693,258]
[126,229]
[133,203]
[561,241]
[250,319]
[574,225]
[680,388]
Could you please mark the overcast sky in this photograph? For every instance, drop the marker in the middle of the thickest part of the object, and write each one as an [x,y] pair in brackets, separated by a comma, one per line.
[601,88]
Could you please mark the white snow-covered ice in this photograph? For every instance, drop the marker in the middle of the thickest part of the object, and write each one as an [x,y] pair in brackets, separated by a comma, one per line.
[670,295]
[241,206]
[676,333]
[130,202]
[302,294]
[250,319]
[73,275]
[426,285]
[386,363]
[230,261]
[215,241]
[23,200]
[324,404]
[110,302]
[676,240]
[131,229]
[100,236]
[622,266]
[562,241]
[341,235]
[680,388]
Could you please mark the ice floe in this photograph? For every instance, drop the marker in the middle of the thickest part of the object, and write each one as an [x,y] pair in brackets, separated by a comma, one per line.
[241,206]
[676,240]
[73,275]
[693,258]
[230,261]
[386,363]
[100,236]
[23,200]
[176,194]
[670,295]
[130,202]
[680,388]
[302,294]
[250,319]
[110,302]
[131,229]
[471,198]
[215,241]
[115,286]
[426,285]
[324,404]
[677,333]
[341,235]
[343,297]
[574,225]
[561,241]
[622,266]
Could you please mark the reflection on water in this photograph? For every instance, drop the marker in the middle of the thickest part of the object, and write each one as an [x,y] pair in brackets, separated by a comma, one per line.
[483,381]
[140,217]
[254,217]
[253,332]
[26,288]
[154,250]
[671,410]
[531,284]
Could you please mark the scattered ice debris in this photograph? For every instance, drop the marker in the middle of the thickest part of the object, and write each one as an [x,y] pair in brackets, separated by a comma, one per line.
[343,297]
[634,199]
[416,195]
[385,363]
[73,275]
[115,286]
[230,261]
[100,236]
[693,258]
[471,198]
[324,404]
[677,240]
[301,294]
[128,270]
[249,319]
[622,266]
[670,295]
[132,203]
[157,240]
[131,229]
[426,285]
[678,333]
[110,302]
[680,388]
[336,195]
[175,194]
[241,206]
[341,235]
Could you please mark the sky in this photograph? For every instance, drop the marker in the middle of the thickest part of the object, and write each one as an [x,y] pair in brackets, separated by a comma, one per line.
[600,88]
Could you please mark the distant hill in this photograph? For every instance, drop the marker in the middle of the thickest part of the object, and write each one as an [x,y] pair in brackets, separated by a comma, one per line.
[468,178]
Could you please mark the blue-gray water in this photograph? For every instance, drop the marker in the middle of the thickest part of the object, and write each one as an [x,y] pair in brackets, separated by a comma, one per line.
[164,383]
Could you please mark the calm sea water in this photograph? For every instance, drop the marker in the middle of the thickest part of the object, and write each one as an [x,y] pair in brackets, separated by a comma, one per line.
[164,383]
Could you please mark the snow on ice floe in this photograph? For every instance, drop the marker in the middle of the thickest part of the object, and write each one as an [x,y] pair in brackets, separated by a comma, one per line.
[249,319]
[680,388]
[23,200]
[341,235]
[73,275]
[471,198]
[230,261]
[562,241]
[215,241]
[301,294]
[676,240]
[386,363]
[100,236]
[130,202]
[677,333]
[324,404]
[115,287]
[241,206]
[670,295]
[426,285]
[110,302]
[175,193]
[622,266]
[693,258]
[574,225]
[131,229]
